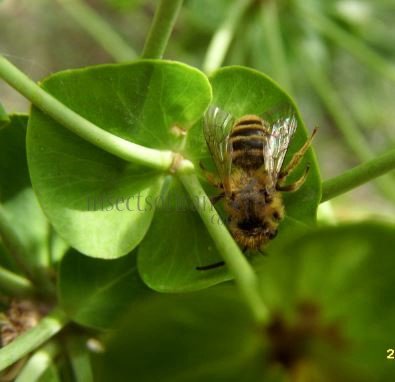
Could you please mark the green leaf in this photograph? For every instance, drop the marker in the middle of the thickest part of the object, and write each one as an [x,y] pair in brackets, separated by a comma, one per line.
[347,272]
[4,119]
[143,102]
[96,292]
[242,91]
[172,267]
[17,196]
[344,277]
[13,164]
[205,336]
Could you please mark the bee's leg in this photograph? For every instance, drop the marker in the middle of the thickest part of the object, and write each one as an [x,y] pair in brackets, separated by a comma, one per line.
[212,178]
[217,198]
[294,186]
[296,158]
[211,266]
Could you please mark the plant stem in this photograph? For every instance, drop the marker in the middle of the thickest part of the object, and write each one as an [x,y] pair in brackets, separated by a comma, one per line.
[358,175]
[99,29]
[161,28]
[231,254]
[276,51]
[222,38]
[352,135]
[14,284]
[38,363]
[14,245]
[113,144]
[33,338]
[351,43]
[80,360]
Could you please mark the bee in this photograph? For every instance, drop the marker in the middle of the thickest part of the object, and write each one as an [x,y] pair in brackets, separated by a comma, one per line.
[248,153]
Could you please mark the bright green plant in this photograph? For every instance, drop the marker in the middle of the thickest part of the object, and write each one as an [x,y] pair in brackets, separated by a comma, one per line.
[103,144]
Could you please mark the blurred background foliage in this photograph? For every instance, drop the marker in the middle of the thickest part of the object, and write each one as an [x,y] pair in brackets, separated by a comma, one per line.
[336,57]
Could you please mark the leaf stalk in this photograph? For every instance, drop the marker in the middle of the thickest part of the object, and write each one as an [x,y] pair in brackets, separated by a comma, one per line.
[161,28]
[237,263]
[358,175]
[124,149]
[33,338]
[15,284]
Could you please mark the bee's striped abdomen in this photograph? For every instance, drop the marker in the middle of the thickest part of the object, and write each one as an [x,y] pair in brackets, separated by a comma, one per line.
[247,140]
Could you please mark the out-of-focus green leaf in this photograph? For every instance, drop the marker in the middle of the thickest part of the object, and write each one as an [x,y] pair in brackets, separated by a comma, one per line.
[205,336]
[97,202]
[16,195]
[96,292]
[347,272]
[13,165]
[50,375]
[329,292]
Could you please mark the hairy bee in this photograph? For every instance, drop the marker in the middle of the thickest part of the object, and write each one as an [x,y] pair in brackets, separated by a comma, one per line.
[248,153]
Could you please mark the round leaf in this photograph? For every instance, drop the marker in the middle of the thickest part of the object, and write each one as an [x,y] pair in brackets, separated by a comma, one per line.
[241,91]
[98,202]
[172,267]
[96,292]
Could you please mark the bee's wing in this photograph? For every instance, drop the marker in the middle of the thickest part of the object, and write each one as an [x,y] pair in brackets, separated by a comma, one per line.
[283,123]
[217,126]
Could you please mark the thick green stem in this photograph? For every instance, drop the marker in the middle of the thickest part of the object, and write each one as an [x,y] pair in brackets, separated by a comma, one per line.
[352,135]
[15,285]
[274,38]
[99,29]
[33,338]
[161,28]
[122,148]
[349,42]
[358,176]
[38,363]
[233,257]
[222,38]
